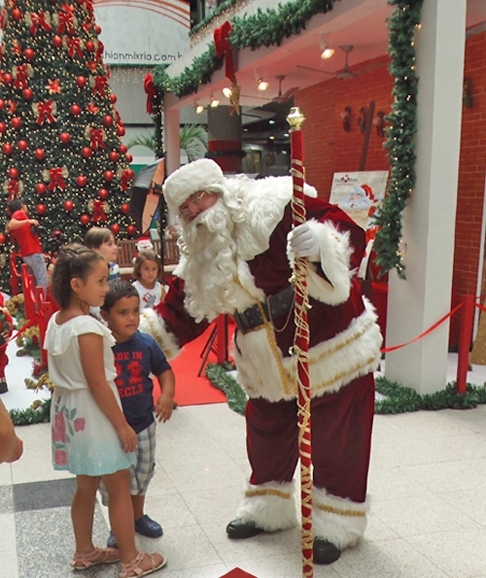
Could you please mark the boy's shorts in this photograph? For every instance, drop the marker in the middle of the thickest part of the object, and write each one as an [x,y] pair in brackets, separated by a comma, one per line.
[143,470]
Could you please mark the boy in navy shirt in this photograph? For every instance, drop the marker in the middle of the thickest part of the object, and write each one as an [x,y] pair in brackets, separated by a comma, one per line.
[137,356]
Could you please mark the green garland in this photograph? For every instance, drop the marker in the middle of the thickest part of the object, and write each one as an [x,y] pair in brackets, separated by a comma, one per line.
[400,135]
[38,412]
[214,14]
[399,399]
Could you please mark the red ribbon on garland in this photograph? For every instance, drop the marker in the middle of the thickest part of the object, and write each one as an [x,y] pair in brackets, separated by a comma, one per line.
[151,91]
[223,47]
[38,20]
[45,112]
[98,212]
[97,138]
[56,179]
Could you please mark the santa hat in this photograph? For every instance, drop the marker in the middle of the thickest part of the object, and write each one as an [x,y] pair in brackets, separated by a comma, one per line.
[143,244]
[200,175]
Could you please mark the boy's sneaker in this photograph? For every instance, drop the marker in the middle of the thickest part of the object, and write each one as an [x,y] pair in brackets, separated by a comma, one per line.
[3,386]
[111,542]
[148,527]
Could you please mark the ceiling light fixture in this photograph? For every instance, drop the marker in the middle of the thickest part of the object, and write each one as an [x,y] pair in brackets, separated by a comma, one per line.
[227,91]
[214,103]
[199,108]
[262,84]
[326,50]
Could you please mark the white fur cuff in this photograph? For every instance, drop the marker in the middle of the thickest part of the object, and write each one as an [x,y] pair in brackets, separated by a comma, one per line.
[153,324]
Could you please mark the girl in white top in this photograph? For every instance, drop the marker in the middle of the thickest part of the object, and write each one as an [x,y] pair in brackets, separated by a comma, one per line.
[90,435]
[147,269]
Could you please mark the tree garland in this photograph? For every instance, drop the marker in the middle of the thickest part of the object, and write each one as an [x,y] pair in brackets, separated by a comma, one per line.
[400,135]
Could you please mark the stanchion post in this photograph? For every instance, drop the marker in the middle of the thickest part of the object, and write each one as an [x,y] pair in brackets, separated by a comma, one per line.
[467,319]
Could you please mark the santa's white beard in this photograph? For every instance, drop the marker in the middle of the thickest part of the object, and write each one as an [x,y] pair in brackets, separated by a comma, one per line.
[211,270]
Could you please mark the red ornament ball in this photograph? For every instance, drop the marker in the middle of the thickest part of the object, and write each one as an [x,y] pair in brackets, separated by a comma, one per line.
[16,14]
[40,188]
[108,175]
[121,130]
[86,152]
[7,149]
[3,127]
[64,137]
[29,54]
[131,173]
[2,103]
[81,81]
[85,219]
[81,180]
[125,208]
[7,78]
[108,120]
[41,209]
[3,239]
[114,156]
[16,122]
[129,157]
[98,29]
[90,46]
[22,145]
[75,110]
[39,154]
[115,229]
[131,230]
[113,98]
[68,205]
[28,94]
[57,41]
[123,149]
[13,173]
[103,193]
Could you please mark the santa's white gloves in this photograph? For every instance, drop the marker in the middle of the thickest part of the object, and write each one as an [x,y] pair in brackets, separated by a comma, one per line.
[304,242]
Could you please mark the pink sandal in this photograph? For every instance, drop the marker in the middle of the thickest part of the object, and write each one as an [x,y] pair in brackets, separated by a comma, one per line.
[134,568]
[97,556]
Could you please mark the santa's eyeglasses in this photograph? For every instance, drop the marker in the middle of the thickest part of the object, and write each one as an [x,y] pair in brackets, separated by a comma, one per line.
[196,200]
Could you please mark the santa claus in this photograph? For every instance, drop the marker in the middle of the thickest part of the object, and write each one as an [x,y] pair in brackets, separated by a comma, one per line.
[237,246]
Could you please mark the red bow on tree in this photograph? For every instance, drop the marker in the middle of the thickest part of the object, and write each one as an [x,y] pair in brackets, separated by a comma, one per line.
[74,45]
[38,20]
[151,91]
[21,77]
[97,138]
[45,112]
[125,179]
[66,19]
[98,212]
[100,84]
[223,46]
[56,179]
[13,189]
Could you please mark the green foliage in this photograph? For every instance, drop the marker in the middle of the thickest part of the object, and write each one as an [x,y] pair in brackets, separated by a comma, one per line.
[48,69]
[37,413]
[220,379]
[193,137]
[400,134]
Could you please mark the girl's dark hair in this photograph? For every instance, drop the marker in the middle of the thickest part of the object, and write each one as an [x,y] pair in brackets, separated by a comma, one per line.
[118,289]
[96,236]
[13,206]
[74,261]
[147,255]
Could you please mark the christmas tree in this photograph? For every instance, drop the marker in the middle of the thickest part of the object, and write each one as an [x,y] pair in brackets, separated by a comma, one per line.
[60,134]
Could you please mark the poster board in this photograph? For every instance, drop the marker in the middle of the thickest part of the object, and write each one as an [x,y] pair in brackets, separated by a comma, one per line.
[359,194]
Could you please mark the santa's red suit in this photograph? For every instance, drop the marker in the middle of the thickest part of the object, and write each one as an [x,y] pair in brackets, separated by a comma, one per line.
[344,346]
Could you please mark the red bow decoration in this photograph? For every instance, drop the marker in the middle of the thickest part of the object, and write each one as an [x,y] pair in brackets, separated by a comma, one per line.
[56,179]
[125,179]
[38,20]
[21,77]
[97,138]
[45,112]
[74,45]
[66,20]
[100,84]
[99,51]
[223,46]
[151,91]
[89,6]
[13,189]
[98,212]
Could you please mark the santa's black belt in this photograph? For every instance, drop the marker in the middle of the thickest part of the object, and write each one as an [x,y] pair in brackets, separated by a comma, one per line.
[273,307]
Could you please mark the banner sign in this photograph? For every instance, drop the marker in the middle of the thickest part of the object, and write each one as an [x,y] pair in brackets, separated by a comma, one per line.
[143,32]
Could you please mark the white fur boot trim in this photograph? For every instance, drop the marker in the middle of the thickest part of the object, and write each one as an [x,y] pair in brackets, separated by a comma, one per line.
[337,520]
[154,325]
[270,506]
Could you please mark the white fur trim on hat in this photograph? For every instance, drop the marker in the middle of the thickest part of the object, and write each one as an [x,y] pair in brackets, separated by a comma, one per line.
[200,175]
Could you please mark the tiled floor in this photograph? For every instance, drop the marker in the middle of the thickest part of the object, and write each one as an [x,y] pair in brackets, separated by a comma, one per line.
[427,485]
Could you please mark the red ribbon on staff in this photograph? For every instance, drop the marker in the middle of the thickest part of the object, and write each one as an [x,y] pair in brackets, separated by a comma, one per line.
[151,91]
[21,77]
[98,212]
[38,20]
[56,179]
[74,45]
[45,112]
[97,138]
[223,46]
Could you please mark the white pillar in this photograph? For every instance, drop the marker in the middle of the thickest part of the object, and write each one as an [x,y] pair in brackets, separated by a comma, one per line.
[429,219]
[172,133]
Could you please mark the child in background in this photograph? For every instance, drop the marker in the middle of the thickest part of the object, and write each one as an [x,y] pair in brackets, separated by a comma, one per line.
[147,269]
[90,435]
[103,241]
[137,356]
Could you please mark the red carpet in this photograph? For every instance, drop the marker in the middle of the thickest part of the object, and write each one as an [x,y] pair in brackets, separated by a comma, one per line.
[191,389]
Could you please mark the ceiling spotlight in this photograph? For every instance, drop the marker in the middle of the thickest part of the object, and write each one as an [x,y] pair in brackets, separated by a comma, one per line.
[262,84]
[327,51]
[227,91]
[199,108]
[214,102]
